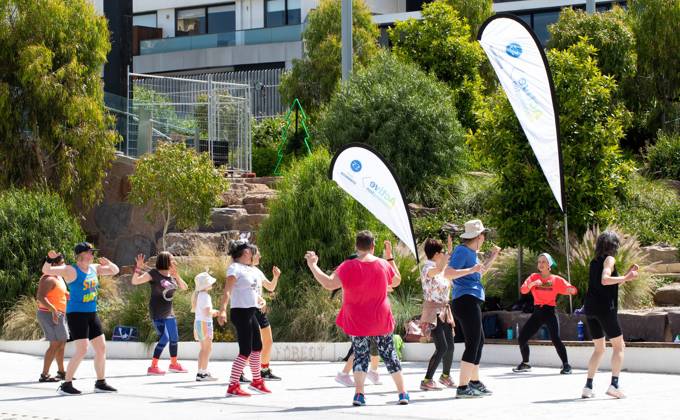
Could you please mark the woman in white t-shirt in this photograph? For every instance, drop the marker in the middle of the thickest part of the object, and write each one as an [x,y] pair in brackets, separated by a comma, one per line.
[261,315]
[241,294]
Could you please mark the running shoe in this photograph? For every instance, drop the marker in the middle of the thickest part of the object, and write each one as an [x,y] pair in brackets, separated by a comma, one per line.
[404,398]
[374,377]
[177,368]
[259,387]
[479,386]
[268,375]
[468,392]
[155,370]
[615,392]
[344,379]
[234,390]
[66,388]
[447,381]
[102,386]
[244,380]
[429,385]
[359,400]
[205,377]
[566,369]
[587,393]
[522,367]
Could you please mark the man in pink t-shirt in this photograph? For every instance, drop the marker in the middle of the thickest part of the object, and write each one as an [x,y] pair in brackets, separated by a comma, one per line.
[366,311]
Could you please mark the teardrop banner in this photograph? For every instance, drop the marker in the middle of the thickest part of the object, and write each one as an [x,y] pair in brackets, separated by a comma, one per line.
[365,175]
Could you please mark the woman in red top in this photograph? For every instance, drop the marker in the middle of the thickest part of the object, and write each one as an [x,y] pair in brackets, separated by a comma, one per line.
[366,313]
[544,287]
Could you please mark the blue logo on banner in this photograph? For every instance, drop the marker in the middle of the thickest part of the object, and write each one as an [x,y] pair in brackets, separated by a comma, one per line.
[513,49]
[355,165]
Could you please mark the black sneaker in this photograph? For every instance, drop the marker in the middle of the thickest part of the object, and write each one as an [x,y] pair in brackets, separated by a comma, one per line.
[566,369]
[522,367]
[244,380]
[102,386]
[66,388]
[468,392]
[479,386]
[268,375]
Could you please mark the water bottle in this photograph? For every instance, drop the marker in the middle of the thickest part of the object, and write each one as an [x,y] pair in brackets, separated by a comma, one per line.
[579,331]
[509,334]
[677,339]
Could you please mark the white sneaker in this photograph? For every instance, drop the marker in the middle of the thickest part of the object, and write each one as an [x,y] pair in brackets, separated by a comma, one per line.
[615,392]
[344,379]
[374,377]
[587,393]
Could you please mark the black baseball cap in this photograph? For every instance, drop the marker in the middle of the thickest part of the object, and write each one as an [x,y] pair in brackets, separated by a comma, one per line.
[84,247]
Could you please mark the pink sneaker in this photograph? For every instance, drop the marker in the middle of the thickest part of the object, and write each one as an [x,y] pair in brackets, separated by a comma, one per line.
[177,368]
[344,379]
[429,385]
[447,382]
[374,377]
[156,371]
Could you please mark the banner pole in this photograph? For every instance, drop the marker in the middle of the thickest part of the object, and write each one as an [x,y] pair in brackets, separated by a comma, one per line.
[566,246]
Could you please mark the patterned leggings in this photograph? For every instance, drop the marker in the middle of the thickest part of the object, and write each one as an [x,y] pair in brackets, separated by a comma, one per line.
[385,344]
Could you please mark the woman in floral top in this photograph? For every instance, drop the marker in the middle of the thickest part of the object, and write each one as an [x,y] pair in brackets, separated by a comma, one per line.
[436,314]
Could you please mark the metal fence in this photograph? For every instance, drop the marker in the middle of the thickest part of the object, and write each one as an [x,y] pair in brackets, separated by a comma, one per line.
[265,99]
[210,115]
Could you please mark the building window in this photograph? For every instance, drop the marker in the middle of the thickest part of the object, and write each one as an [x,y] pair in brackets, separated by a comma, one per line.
[541,22]
[415,5]
[147,19]
[222,19]
[190,22]
[282,12]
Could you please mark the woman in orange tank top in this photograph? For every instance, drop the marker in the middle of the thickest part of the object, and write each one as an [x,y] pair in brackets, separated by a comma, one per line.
[52,296]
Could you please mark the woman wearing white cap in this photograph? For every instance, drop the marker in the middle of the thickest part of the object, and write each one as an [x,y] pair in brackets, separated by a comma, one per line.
[201,304]
[467,298]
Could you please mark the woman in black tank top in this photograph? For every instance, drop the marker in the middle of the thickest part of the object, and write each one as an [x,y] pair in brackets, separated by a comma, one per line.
[601,305]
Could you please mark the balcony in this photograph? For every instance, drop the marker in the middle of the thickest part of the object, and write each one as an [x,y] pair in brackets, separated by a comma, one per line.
[289,33]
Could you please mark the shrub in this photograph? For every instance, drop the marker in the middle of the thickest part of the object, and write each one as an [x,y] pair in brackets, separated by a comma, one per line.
[31,223]
[407,115]
[21,322]
[651,211]
[663,157]
[311,213]
[501,280]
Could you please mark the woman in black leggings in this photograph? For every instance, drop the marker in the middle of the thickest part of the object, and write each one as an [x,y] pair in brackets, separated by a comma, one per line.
[468,296]
[544,287]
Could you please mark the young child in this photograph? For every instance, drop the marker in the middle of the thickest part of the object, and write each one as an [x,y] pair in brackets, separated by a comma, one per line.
[201,304]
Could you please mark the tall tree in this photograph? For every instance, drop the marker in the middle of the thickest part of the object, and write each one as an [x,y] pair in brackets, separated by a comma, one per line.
[54,130]
[314,78]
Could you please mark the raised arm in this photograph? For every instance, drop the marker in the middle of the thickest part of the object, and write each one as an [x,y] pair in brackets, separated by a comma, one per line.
[608,279]
[396,279]
[175,275]
[453,273]
[139,276]
[67,272]
[107,268]
[271,285]
[331,282]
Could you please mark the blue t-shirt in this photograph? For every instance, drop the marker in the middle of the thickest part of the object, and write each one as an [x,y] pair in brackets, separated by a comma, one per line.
[464,257]
[83,291]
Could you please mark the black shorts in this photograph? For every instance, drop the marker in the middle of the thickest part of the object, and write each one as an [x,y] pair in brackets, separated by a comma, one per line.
[262,319]
[83,325]
[605,323]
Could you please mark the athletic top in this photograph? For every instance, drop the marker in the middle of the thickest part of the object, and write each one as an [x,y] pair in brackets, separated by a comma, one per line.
[260,279]
[56,296]
[244,292]
[546,294]
[83,290]
[599,298]
[162,292]
[365,307]
[203,300]
[464,257]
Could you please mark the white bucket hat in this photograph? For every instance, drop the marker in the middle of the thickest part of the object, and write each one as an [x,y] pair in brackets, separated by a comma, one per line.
[473,229]
[203,281]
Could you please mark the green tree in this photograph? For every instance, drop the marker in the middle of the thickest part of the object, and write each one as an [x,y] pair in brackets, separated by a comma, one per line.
[440,43]
[655,24]
[476,12]
[591,124]
[314,78]
[177,183]
[407,115]
[31,223]
[311,213]
[54,130]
